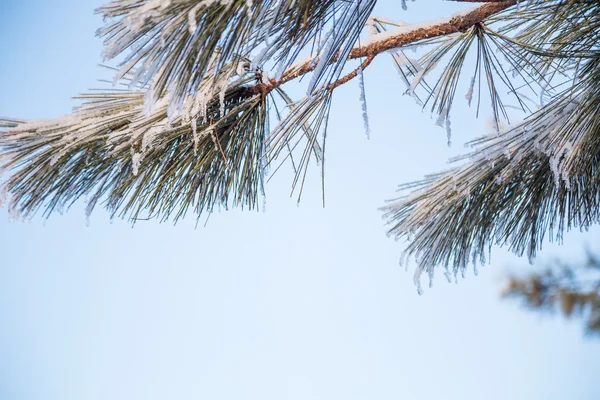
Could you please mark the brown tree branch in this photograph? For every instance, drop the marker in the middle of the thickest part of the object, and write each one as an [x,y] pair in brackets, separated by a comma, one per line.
[395,38]
[352,74]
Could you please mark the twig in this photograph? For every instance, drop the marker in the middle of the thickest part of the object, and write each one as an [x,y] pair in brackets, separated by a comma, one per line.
[396,38]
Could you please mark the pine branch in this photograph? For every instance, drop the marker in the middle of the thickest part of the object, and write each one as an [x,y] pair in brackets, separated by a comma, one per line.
[531,182]
[194,136]
[140,164]
[122,144]
[514,189]
[571,290]
[172,44]
[402,36]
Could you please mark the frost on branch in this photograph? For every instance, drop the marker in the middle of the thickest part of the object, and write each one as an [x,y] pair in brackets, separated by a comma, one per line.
[513,190]
[111,147]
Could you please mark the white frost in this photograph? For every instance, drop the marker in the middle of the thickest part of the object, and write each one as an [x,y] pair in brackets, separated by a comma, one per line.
[136,161]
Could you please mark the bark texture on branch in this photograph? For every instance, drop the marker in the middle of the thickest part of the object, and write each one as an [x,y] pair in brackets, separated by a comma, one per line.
[390,41]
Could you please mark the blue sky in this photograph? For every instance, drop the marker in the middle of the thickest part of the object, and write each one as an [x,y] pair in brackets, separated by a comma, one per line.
[294,303]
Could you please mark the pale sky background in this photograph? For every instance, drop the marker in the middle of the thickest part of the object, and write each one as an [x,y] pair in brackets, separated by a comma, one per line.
[295,303]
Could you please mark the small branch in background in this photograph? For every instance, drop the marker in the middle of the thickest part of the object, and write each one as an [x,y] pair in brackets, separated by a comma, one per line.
[572,290]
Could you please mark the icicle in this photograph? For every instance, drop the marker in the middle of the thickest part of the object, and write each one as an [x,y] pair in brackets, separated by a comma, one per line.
[13,214]
[195,136]
[363,100]
[469,95]
[401,260]
[90,207]
[447,274]
[531,257]
[566,179]
[443,120]
[554,160]
[222,99]
[431,274]
[411,233]
[448,131]
[3,194]
[417,280]
[404,260]
[496,125]
[60,207]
